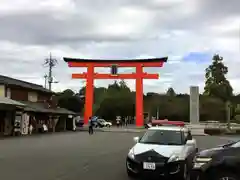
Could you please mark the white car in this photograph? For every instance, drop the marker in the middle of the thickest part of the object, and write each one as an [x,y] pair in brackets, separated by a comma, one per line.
[164,151]
[104,123]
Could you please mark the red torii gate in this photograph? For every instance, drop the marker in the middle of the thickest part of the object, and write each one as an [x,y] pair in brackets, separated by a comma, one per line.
[139,75]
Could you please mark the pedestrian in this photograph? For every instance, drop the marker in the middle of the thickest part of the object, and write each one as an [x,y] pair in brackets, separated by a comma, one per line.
[126,121]
[30,129]
[44,128]
[90,126]
[118,121]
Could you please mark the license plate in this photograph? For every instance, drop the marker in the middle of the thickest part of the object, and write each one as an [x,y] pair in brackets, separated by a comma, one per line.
[149,166]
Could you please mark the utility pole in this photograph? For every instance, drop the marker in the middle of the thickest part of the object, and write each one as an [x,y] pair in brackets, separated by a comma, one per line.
[50,63]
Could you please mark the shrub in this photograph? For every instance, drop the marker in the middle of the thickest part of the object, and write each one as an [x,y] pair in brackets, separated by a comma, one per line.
[230,132]
[237,117]
[214,131]
[220,131]
[237,131]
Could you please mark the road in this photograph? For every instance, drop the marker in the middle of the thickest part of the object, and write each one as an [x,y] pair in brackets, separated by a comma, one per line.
[72,156]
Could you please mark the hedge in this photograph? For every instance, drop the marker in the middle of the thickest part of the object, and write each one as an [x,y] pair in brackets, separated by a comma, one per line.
[214,131]
[221,131]
[237,131]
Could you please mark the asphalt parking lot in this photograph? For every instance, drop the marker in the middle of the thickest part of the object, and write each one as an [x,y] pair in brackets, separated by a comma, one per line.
[72,156]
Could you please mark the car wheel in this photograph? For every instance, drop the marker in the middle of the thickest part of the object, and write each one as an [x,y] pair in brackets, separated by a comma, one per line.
[108,125]
[226,175]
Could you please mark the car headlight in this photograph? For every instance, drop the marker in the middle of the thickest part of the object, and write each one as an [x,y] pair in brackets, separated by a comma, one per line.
[201,161]
[131,154]
[173,158]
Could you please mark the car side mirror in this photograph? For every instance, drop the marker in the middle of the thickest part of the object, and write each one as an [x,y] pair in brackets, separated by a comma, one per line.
[136,139]
[190,142]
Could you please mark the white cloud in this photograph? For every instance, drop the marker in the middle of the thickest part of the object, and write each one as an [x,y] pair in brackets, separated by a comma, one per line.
[116,29]
[25,6]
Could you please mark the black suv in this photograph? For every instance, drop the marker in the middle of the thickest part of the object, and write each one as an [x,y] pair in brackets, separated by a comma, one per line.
[221,163]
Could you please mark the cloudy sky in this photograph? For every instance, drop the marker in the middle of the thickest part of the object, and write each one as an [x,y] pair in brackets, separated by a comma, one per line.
[189,32]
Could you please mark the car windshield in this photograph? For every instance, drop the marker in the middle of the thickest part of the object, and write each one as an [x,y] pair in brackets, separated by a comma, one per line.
[162,137]
[101,120]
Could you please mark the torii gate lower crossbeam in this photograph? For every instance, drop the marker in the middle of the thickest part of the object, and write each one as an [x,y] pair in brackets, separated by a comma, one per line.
[138,76]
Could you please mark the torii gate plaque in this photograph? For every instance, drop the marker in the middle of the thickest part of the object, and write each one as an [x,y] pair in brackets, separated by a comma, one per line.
[139,75]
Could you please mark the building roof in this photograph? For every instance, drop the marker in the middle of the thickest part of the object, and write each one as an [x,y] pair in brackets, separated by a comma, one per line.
[11,81]
[7,101]
[41,108]
[163,59]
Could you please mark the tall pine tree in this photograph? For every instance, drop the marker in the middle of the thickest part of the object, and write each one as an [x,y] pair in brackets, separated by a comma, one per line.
[216,84]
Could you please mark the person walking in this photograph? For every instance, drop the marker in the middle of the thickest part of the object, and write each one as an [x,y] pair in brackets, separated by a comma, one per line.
[90,126]
[118,121]
[30,129]
[126,121]
[44,128]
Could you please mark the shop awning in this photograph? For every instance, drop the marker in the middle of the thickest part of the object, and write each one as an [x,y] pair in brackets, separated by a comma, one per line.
[7,101]
[43,108]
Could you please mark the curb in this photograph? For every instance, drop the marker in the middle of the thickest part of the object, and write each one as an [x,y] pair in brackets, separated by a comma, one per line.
[84,129]
[127,131]
[132,131]
[36,135]
[200,134]
[139,131]
[109,130]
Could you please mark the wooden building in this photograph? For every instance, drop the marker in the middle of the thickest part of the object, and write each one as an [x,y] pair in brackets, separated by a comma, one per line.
[29,103]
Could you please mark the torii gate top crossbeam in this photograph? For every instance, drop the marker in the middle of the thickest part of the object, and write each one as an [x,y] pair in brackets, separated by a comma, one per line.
[151,62]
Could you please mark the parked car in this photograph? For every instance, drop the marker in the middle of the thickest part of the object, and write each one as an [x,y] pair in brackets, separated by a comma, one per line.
[162,152]
[220,163]
[167,122]
[103,123]
[147,125]
[164,123]
[79,121]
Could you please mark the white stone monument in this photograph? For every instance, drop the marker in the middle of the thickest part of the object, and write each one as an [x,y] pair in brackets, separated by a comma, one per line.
[194,105]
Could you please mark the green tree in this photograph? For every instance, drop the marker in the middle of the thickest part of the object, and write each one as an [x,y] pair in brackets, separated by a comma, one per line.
[171,92]
[118,100]
[123,84]
[98,94]
[69,100]
[216,84]
[68,93]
